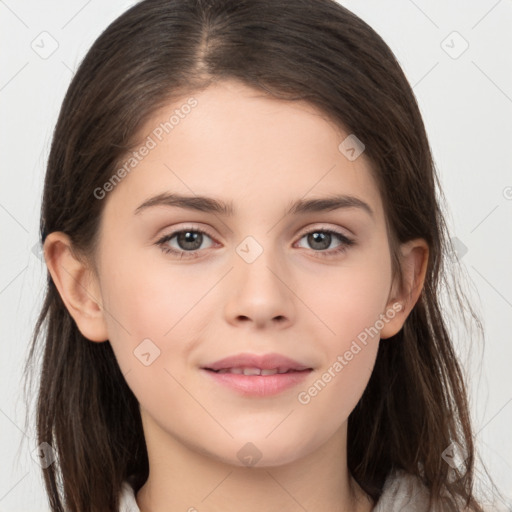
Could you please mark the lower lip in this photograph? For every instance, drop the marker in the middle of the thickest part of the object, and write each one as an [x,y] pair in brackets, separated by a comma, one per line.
[259,385]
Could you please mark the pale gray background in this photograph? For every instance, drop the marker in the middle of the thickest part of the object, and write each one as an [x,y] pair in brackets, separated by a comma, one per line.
[466,101]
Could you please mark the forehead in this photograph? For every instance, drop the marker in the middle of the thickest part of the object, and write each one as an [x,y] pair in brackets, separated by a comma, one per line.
[244,147]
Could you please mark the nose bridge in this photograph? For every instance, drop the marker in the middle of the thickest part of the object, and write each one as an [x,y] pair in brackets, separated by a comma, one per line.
[258,260]
[260,292]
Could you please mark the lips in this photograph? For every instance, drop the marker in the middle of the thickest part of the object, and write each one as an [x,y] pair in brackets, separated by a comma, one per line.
[254,376]
[253,364]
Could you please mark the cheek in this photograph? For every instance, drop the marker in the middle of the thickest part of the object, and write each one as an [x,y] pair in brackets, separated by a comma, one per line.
[156,302]
[351,298]
[149,295]
[349,351]
[349,303]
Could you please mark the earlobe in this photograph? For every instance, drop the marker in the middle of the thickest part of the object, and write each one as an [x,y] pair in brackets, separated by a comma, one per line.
[414,262]
[77,286]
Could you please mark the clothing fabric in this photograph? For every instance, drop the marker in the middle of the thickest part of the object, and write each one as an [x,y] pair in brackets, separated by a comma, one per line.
[402,492]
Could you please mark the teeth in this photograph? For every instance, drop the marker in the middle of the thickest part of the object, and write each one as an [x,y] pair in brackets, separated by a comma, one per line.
[252,371]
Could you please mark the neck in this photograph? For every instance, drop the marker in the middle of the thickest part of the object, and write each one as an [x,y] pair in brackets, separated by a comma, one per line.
[183,478]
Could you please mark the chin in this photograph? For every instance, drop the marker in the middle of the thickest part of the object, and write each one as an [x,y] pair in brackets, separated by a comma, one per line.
[261,453]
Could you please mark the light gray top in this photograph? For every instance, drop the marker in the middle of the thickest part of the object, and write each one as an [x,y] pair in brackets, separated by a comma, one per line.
[402,492]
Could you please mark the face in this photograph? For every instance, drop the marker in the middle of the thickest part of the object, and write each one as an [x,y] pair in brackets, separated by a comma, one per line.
[184,287]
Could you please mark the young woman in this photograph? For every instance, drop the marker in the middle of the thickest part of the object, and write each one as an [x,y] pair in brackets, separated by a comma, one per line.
[245,253]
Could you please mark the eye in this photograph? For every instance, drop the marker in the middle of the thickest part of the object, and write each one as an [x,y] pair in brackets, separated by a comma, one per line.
[188,240]
[320,239]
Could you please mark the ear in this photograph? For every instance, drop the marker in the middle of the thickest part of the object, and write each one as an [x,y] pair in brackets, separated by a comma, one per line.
[403,297]
[77,285]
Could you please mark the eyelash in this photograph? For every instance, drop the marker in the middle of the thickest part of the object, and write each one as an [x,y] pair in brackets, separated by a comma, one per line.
[345,242]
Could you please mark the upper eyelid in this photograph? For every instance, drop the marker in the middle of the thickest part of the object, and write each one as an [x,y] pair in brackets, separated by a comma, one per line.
[324,227]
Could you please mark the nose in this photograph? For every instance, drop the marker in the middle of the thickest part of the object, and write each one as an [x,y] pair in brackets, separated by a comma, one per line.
[259,293]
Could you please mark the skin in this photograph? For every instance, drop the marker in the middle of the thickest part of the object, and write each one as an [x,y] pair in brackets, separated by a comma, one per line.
[260,153]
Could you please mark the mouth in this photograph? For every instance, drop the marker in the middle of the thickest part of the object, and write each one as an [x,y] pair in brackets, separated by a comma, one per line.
[258,371]
[257,374]
[257,382]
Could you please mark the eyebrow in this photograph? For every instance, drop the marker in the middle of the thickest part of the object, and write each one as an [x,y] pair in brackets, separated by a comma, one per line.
[211,205]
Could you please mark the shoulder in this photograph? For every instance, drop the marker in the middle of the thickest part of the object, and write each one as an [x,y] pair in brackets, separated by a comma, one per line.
[127,502]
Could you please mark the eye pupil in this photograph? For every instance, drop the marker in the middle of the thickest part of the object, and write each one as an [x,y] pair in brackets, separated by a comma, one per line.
[318,237]
[185,238]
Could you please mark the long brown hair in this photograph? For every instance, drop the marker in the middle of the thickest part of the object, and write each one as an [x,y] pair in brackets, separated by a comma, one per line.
[415,404]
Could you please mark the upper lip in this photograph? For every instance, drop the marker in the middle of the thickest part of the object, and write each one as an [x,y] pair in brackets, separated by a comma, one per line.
[263,362]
